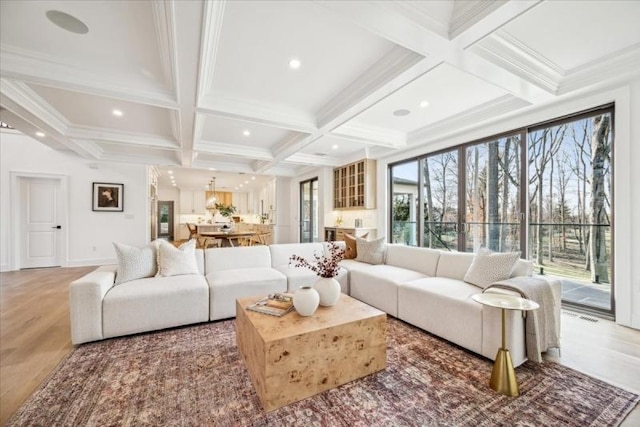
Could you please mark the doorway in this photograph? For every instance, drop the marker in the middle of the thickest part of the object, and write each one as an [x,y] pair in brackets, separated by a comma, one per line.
[38,220]
[165,220]
[309,211]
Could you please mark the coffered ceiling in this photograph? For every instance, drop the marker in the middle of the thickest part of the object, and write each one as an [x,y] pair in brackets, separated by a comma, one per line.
[209,85]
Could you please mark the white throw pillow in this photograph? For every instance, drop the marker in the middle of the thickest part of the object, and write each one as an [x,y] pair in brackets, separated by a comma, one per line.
[174,261]
[370,252]
[135,263]
[489,267]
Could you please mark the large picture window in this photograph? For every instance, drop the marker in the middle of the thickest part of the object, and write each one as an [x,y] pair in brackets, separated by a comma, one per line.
[544,190]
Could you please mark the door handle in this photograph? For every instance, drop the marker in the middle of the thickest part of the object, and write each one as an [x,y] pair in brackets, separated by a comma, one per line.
[58,227]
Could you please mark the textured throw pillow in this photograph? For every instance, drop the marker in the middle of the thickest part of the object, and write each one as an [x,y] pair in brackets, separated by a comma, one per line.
[135,263]
[174,261]
[370,252]
[489,267]
[351,250]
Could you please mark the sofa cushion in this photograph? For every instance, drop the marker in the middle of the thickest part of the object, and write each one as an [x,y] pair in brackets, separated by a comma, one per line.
[351,247]
[218,259]
[370,252]
[174,261]
[281,253]
[523,267]
[423,260]
[454,265]
[135,263]
[155,303]
[377,285]
[297,276]
[225,286]
[300,276]
[489,267]
[443,307]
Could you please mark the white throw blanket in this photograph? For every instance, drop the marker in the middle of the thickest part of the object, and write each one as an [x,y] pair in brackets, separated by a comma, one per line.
[542,326]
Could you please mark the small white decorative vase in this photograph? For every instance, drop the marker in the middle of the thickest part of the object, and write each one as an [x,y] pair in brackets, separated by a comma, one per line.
[329,290]
[306,300]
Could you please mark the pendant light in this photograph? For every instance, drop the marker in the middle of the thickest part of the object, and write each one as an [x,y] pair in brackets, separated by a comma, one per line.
[211,201]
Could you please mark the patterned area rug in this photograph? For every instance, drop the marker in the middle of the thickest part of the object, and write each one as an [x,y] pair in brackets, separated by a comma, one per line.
[194,376]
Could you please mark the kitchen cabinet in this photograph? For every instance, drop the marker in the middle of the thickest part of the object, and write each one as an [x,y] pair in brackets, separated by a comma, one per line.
[192,202]
[354,185]
[224,197]
[240,201]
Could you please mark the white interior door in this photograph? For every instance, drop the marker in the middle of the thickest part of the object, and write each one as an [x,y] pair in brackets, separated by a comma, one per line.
[40,213]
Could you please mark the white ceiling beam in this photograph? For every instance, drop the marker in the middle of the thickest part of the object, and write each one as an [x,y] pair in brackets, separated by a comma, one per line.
[190,24]
[22,65]
[234,150]
[255,112]
[313,159]
[120,137]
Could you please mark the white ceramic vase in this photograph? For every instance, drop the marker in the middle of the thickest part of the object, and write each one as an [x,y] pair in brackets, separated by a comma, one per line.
[329,290]
[306,300]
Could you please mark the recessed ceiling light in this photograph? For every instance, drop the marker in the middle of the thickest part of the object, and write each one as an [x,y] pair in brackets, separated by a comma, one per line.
[294,63]
[400,113]
[170,171]
[424,104]
[212,169]
[117,113]
[246,182]
[40,134]
[67,22]
[246,132]
[253,177]
[240,186]
[334,146]
[174,184]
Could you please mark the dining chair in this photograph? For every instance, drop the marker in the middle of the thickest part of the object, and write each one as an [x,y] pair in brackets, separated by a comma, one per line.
[193,234]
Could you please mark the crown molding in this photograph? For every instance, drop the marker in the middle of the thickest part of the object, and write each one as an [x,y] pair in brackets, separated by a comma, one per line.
[23,96]
[380,80]
[211,30]
[515,56]
[164,20]
[411,11]
[256,112]
[19,64]
[87,148]
[158,157]
[313,159]
[618,65]
[462,121]
[371,135]
[232,150]
[468,13]
[120,137]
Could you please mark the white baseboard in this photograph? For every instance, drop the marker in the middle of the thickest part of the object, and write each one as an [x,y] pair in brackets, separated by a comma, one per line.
[4,267]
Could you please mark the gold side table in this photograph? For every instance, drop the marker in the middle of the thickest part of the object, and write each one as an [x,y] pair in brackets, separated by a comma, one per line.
[503,376]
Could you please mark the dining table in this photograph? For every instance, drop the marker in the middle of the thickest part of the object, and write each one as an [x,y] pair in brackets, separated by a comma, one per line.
[227,237]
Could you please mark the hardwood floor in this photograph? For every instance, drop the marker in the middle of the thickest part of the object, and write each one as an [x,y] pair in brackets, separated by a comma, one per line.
[35,336]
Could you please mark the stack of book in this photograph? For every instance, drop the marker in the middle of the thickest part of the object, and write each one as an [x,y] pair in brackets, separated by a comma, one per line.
[273,304]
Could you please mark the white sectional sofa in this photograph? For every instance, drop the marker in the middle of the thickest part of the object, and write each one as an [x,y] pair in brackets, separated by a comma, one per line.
[421,286]
[425,287]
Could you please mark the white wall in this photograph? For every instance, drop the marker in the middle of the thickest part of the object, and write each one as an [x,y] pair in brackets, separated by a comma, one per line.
[626,179]
[87,229]
[282,227]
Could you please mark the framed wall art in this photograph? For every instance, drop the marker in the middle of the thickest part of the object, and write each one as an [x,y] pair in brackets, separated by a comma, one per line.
[108,197]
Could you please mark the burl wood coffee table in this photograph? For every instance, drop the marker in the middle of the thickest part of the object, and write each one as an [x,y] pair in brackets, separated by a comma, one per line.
[290,358]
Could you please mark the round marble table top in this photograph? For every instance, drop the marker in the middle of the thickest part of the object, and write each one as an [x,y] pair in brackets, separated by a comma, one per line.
[510,302]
